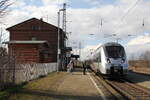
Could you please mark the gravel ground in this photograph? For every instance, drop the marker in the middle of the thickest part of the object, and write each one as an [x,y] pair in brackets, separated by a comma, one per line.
[140,79]
[59,86]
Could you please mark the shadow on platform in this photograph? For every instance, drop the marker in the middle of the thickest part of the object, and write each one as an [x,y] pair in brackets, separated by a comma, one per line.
[57,96]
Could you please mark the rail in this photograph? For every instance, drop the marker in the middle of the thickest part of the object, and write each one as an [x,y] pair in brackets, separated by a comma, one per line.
[111,90]
[130,90]
[127,89]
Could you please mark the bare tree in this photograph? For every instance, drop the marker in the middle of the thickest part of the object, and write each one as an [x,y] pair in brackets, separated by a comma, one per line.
[3,51]
[132,57]
[146,58]
[4,4]
[5,72]
[147,55]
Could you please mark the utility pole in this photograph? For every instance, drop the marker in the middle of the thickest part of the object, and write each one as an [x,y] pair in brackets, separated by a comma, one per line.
[143,25]
[80,50]
[101,23]
[117,40]
[64,18]
[64,23]
[62,37]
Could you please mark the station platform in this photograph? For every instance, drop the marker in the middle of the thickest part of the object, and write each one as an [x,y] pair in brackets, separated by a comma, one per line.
[60,86]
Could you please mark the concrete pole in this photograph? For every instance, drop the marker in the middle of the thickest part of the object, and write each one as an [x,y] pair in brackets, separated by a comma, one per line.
[58,48]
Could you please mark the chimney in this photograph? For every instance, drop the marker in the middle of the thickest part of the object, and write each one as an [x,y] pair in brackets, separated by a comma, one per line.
[41,19]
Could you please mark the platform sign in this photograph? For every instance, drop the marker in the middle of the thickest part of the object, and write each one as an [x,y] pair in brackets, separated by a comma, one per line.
[68,54]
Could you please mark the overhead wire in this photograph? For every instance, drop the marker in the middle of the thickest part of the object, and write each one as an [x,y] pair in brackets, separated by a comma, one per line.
[128,11]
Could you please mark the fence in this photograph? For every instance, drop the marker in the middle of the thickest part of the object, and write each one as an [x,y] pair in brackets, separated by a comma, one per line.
[11,73]
[6,71]
[27,72]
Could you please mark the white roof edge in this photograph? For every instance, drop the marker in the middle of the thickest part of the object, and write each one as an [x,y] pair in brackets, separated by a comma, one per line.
[25,42]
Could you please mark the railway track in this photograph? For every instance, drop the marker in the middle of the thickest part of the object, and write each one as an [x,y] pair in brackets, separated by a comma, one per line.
[130,90]
[110,93]
[127,89]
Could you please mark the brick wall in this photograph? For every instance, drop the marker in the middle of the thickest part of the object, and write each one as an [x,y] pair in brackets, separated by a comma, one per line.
[25,53]
[44,31]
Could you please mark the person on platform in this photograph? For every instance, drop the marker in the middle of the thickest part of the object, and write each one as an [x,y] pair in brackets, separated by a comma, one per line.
[84,68]
[70,66]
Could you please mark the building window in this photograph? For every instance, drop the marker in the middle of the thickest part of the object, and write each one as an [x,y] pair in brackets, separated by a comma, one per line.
[36,28]
[46,55]
[34,38]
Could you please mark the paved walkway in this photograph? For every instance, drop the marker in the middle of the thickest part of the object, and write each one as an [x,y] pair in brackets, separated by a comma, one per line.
[60,86]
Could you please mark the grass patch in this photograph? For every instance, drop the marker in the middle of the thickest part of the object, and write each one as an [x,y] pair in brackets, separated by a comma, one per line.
[4,94]
[47,84]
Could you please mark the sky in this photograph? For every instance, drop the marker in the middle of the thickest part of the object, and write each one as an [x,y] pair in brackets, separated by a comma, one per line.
[101,18]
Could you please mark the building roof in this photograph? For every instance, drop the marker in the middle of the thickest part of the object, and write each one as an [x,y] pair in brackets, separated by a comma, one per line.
[28,21]
[25,42]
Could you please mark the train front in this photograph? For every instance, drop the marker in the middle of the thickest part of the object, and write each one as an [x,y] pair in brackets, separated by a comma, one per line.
[116,60]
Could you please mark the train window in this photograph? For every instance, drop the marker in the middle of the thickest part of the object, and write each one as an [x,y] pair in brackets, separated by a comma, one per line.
[97,57]
[115,51]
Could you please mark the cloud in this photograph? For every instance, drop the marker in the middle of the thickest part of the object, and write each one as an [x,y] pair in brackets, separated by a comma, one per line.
[26,12]
[17,4]
[93,2]
[138,46]
[87,21]
[53,2]
[136,50]
[140,40]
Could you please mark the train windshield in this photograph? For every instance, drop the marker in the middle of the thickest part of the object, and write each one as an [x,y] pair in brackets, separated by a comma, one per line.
[115,51]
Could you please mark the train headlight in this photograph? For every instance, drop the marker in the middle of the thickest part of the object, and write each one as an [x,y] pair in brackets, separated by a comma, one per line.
[108,60]
[123,60]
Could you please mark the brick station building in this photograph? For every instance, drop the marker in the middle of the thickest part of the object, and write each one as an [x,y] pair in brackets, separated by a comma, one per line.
[35,41]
